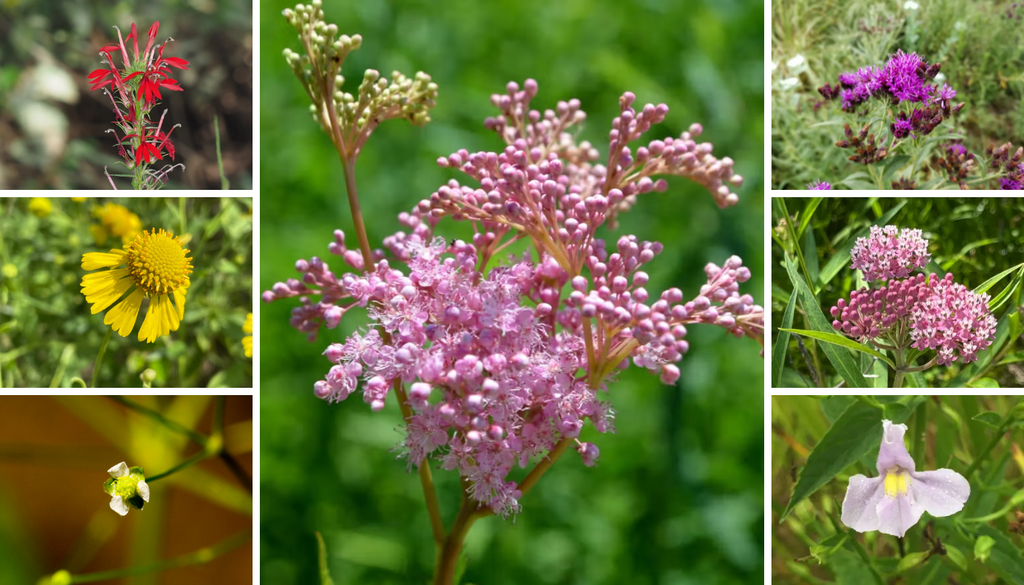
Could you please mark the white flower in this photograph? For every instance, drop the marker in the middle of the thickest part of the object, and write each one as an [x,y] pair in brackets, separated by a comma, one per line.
[940,77]
[789,83]
[126,486]
[796,62]
[774,65]
[910,5]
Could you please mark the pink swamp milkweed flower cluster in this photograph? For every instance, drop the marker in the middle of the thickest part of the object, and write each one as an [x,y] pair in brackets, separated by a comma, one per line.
[889,253]
[505,365]
[922,312]
[134,90]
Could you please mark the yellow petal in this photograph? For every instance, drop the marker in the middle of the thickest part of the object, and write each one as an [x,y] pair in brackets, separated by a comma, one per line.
[160,320]
[122,316]
[103,298]
[179,301]
[95,260]
[96,282]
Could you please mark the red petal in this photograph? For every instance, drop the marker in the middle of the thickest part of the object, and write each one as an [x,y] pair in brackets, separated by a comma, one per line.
[170,84]
[153,29]
[135,37]
[175,62]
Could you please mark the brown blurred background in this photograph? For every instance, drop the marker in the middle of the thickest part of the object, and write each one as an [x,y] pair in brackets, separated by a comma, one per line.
[53,128]
[54,453]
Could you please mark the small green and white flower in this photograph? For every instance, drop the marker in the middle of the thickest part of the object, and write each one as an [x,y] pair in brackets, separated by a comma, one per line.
[126,487]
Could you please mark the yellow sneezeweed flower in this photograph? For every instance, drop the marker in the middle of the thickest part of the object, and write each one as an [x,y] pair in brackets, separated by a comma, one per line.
[247,341]
[115,220]
[78,199]
[153,265]
[40,206]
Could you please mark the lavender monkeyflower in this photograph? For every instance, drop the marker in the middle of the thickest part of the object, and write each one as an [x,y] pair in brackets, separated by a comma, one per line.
[894,501]
[889,253]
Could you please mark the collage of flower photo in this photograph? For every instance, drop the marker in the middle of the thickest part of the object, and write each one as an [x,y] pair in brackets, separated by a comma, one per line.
[512,292]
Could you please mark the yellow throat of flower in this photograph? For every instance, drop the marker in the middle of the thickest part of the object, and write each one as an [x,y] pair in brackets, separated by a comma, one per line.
[157,262]
[896,482]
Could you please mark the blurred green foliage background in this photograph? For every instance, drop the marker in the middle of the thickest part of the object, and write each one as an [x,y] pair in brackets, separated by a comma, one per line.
[975,239]
[53,128]
[962,433]
[677,495]
[47,334]
[979,43]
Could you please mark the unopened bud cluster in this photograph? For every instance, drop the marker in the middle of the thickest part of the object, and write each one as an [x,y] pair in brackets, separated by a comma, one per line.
[347,117]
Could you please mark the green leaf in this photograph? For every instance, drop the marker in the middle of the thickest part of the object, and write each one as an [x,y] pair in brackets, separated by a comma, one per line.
[1004,557]
[989,418]
[805,217]
[963,251]
[839,357]
[782,343]
[983,548]
[983,383]
[325,573]
[826,548]
[854,434]
[1004,295]
[911,560]
[983,287]
[956,556]
[842,257]
[811,256]
[841,340]
[892,167]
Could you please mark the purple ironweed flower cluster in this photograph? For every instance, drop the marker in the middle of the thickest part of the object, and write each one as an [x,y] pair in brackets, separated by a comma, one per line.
[820,186]
[889,253]
[905,79]
[920,311]
[506,365]
[956,163]
[1013,166]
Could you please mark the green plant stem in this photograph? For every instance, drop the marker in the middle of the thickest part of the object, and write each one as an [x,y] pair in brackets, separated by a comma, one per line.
[448,555]
[349,165]
[99,358]
[198,557]
[897,381]
[158,416]
[920,431]
[202,454]
[796,244]
[220,162]
[1005,424]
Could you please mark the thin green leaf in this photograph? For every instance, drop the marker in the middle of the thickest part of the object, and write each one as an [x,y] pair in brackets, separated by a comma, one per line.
[963,251]
[840,358]
[989,418]
[841,340]
[782,343]
[983,287]
[808,213]
[1004,295]
[811,256]
[325,573]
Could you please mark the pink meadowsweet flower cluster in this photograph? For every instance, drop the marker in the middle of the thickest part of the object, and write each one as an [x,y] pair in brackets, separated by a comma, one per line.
[890,253]
[923,312]
[953,320]
[498,364]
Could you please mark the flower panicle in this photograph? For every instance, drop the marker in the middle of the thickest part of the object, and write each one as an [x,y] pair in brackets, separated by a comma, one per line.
[348,118]
[134,89]
[502,366]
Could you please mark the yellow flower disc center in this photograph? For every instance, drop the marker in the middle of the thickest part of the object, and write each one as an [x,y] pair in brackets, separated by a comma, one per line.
[158,263]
